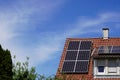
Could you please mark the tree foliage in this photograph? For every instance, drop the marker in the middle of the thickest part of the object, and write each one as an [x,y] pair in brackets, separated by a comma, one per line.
[5,64]
[21,71]
[16,70]
[42,77]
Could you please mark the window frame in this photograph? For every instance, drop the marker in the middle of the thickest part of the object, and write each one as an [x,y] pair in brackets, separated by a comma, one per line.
[106,67]
[101,63]
[114,66]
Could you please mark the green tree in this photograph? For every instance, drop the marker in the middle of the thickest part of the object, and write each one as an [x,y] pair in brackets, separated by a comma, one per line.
[5,64]
[18,70]
[21,71]
[42,77]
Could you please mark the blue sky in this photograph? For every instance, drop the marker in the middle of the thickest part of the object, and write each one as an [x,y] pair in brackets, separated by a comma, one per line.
[39,28]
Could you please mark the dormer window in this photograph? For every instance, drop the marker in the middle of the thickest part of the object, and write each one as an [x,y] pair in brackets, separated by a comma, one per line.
[106,67]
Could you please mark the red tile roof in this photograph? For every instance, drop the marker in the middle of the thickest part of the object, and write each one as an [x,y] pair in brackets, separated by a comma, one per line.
[97,42]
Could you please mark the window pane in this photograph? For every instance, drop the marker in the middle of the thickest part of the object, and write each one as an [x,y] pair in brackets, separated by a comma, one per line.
[112,66]
[101,65]
[100,68]
[101,62]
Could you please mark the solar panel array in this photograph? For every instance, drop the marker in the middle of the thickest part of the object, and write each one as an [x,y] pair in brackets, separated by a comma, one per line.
[109,49]
[77,57]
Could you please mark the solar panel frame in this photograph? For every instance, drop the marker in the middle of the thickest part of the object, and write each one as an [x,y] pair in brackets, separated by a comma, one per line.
[104,49]
[85,45]
[68,66]
[71,55]
[111,50]
[115,50]
[81,67]
[73,45]
[70,60]
[84,55]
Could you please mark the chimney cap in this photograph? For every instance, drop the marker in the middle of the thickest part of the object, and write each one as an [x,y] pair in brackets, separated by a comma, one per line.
[105,28]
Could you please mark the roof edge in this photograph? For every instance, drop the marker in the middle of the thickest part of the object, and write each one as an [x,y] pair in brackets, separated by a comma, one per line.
[94,38]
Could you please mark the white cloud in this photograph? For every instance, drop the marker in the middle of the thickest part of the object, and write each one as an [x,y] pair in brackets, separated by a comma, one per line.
[94,24]
[52,43]
[14,25]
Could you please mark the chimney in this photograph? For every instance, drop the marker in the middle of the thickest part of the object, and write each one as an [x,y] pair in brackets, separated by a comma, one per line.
[105,33]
